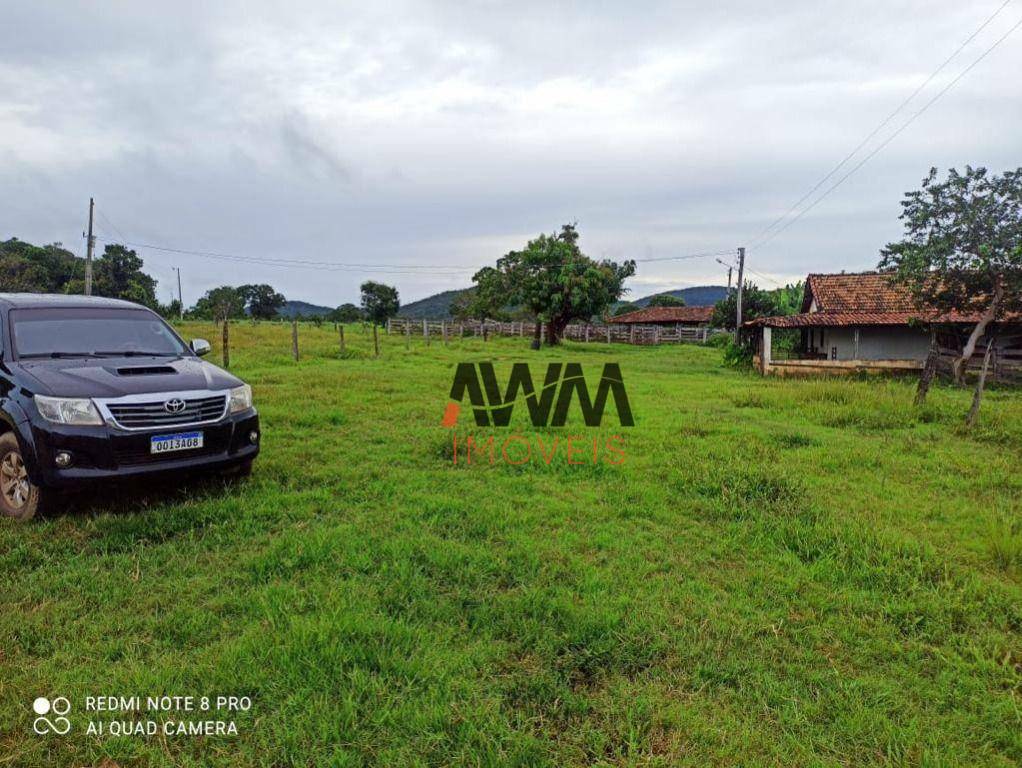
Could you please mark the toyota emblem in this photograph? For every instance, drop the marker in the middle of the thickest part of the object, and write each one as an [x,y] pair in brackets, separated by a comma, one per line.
[174,405]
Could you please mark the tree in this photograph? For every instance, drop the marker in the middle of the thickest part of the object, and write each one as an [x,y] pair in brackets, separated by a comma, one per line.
[556,281]
[171,311]
[379,302]
[117,274]
[487,299]
[755,303]
[37,269]
[665,300]
[346,313]
[623,308]
[261,301]
[219,304]
[21,275]
[962,252]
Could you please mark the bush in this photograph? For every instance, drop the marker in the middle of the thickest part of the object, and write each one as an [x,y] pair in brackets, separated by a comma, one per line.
[737,355]
[719,340]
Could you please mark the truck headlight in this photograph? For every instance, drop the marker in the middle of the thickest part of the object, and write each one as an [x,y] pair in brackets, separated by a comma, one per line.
[241,398]
[74,411]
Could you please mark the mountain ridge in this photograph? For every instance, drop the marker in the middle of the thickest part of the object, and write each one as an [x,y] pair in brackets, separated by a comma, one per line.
[438,306]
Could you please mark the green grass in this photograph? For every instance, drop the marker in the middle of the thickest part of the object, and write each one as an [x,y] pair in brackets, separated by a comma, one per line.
[782,573]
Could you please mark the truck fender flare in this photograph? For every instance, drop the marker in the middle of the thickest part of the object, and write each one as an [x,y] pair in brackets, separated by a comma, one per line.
[15,420]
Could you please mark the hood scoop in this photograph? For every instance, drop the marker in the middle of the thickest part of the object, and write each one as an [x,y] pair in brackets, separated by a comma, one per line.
[146,370]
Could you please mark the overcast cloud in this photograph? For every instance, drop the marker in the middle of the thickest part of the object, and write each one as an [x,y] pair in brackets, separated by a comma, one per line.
[400,133]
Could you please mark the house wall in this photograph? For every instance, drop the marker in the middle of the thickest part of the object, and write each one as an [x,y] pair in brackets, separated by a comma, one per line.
[877,343]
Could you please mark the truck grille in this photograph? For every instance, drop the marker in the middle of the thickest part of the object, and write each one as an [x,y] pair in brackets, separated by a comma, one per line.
[153,415]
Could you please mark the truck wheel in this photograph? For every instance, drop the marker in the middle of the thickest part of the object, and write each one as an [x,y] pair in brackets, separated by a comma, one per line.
[19,497]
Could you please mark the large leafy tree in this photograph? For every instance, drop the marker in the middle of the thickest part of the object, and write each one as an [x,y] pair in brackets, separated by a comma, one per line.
[962,250]
[219,304]
[37,269]
[487,299]
[665,300]
[261,301]
[117,274]
[379,301]
[554,280]
[346,313]
[755,303]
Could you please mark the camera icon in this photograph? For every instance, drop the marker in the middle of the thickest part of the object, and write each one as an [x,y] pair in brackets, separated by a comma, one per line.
[60,706]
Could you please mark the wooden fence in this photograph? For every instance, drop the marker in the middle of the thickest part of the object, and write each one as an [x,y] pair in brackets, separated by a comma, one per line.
[1005,357]
[584,332]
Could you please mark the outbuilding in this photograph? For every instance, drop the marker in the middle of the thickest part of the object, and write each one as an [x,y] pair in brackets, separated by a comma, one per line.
[866,321]
[683,317]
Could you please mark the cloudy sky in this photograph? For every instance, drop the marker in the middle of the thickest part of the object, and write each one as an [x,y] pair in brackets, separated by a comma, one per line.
[406,135]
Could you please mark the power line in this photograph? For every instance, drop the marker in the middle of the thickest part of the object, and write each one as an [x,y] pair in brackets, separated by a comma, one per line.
[765,277]
[110,224]
[883,123]
[333,266]
[894,135]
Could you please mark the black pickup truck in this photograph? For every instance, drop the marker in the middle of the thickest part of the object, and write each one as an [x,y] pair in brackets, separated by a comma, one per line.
[93,390]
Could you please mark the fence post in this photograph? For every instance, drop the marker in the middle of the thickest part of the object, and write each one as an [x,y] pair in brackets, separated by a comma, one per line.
[608,333]
[389,320]
[376,340]
[408,336]
[227,343]
[294,340]
[340,328]
[425,331]
[443,330]
[631,333]
[656,335]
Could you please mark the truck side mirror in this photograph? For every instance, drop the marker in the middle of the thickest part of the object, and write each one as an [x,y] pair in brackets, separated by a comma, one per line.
[200,347]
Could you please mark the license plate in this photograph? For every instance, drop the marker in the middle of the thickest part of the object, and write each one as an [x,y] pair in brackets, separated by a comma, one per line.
[184,441]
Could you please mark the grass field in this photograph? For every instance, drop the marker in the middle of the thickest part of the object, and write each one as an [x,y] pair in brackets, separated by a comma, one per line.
[781,573]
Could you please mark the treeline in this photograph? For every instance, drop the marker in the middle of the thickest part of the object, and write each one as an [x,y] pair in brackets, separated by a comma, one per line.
[757,302]
[118,273]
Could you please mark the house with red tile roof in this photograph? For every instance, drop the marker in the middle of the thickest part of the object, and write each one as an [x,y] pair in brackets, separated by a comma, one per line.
[866,321]
[692,317]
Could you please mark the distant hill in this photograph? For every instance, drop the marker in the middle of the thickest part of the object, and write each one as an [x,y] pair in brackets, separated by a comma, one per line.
[435,307]
[699,296]
[303,309]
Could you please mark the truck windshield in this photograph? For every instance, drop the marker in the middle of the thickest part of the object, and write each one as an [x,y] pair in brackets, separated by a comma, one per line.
[85,332]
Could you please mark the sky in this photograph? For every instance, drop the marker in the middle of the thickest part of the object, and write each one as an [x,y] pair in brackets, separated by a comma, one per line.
[414,142]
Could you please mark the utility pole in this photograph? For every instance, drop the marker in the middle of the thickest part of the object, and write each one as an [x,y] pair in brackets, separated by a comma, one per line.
[89,247]
[180,301]
[741,287]
[730,268]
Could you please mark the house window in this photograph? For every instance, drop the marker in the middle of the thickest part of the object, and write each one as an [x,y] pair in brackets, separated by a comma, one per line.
[833,353]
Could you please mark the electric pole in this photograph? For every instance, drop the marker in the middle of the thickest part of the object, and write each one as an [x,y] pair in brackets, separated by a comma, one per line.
[180,301]
[738,297]
[730,268]
[89,247]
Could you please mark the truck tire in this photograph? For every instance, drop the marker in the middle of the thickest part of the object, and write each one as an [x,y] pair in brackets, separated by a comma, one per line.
[20,498]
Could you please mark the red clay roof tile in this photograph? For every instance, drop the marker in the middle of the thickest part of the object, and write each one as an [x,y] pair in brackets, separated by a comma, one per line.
[863,298]
[666,315]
